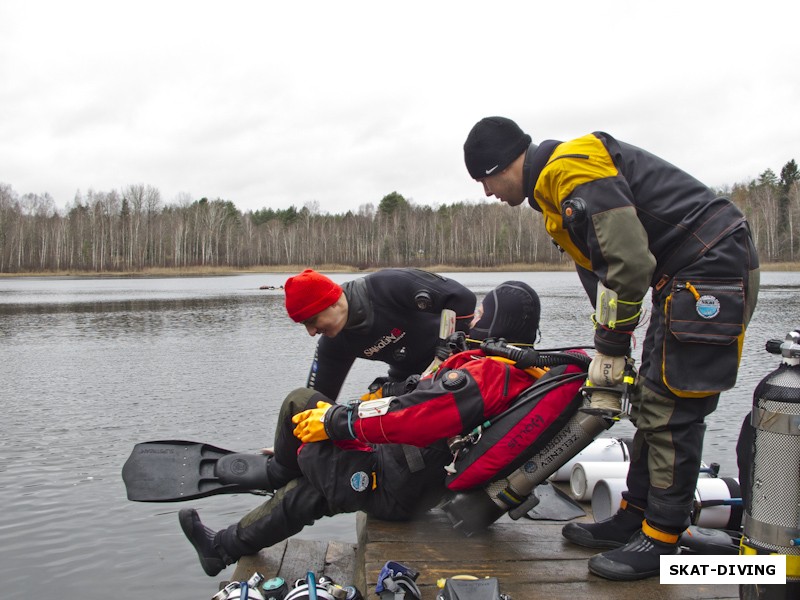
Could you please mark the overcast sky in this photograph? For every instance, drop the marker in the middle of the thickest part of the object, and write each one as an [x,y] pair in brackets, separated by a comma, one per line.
[272,104]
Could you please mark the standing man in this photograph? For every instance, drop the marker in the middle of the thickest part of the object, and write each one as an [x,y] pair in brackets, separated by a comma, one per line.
[631,221]
[391,315]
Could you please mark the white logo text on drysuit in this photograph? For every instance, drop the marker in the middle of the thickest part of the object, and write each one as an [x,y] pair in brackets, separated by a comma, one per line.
[394,336]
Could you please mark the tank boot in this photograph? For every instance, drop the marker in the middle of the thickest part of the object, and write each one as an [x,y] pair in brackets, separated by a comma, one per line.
[640,558]
[213,558]
[611,533]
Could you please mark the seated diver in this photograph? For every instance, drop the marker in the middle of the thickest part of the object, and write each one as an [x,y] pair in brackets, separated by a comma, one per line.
[384,457]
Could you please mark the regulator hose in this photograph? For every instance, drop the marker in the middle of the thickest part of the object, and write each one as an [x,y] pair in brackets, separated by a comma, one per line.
[525,358]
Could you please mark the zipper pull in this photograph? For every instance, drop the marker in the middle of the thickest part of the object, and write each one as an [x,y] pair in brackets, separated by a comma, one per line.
[694,291]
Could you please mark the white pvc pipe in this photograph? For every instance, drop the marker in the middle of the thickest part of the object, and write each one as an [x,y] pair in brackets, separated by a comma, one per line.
[607,495]
[585,476]
[600,450]
[713,489]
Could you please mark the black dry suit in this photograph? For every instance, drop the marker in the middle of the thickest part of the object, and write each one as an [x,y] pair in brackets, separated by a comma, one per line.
[393,317]
[368,466]
[632,222]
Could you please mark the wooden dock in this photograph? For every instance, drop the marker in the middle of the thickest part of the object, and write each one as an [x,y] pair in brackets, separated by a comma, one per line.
[529,557]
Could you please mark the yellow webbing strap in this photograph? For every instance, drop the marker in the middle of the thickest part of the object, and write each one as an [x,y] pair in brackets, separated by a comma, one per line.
[533,371]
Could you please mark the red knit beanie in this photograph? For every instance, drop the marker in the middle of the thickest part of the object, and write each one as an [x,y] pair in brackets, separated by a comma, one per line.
[309,293]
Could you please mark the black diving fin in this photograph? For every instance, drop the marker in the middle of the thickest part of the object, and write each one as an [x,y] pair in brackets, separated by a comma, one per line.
[176,470]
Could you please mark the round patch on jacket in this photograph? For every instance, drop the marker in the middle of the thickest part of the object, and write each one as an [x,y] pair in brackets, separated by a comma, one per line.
[707,307]
[359,481]
[454,380]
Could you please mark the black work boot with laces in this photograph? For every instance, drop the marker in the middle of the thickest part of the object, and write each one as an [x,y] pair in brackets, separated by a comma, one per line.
[611,533]
[640,558]
[212,558]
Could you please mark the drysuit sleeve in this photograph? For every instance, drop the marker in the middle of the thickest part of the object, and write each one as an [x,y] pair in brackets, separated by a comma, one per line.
[621,260]
[454,402]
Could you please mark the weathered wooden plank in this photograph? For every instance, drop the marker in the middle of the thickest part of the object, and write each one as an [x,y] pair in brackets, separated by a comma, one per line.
[302,556]
[292,559]
[267,562]
[340,560]
[470,550]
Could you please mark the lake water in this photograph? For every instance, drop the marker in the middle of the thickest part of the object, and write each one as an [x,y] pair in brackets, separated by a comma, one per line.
[92,366]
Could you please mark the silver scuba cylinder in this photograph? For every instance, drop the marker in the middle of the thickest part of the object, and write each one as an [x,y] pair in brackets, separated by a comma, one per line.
[772,519]
[474,510]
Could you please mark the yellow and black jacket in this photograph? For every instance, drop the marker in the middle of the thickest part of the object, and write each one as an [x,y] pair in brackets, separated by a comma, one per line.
[627,218]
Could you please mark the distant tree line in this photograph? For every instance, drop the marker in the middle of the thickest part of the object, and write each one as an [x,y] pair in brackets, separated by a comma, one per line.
[132,229]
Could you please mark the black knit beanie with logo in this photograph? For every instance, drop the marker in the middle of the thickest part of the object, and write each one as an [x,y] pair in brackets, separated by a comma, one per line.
[510,311]
[492,145]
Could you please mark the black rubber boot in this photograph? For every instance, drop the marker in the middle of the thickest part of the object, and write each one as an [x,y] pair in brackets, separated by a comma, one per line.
[640,558]
[611,533]
[212,559]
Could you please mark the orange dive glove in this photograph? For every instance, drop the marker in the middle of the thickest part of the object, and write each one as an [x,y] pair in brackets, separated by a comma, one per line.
[311,423]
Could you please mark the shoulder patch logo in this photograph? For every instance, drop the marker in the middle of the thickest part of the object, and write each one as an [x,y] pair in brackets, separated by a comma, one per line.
[359,481]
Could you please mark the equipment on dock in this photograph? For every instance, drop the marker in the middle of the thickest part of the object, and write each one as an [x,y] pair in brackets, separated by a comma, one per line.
[397,581]
[324,588]
[242,590]
[176,470]
[466,587]
[769,463]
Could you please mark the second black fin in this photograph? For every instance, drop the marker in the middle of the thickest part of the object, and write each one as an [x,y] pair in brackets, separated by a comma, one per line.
[178,470]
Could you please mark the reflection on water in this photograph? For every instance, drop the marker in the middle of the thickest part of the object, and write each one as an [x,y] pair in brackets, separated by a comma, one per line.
[92,366]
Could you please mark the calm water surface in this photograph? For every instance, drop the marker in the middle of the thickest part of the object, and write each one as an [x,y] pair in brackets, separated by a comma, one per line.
[91,366]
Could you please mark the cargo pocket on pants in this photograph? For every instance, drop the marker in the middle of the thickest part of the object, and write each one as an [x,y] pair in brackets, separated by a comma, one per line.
[705,322]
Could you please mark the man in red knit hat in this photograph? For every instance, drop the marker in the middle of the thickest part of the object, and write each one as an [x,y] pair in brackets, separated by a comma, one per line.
[391,316]
[308,296]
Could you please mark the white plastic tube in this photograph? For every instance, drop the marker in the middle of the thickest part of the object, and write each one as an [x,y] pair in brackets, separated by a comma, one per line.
[607,495]
[713,489]
[585,476]
[600,450]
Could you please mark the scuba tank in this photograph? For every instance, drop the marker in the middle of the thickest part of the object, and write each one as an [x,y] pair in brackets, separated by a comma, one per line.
[472,510]
[772,517]
[308,588]
[241,590]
